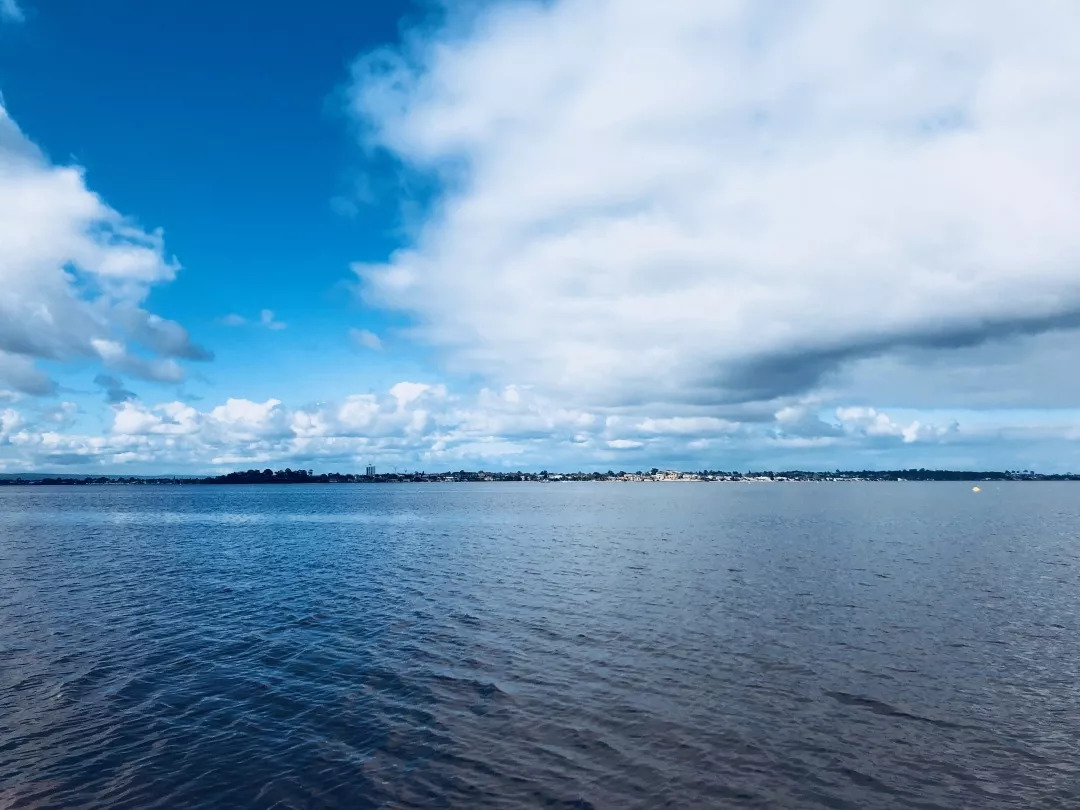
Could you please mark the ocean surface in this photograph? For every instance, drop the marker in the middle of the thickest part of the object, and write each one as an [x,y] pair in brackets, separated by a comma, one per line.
[523,645]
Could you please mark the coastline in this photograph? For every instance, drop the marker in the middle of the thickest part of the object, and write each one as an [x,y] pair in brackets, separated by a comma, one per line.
[289,476]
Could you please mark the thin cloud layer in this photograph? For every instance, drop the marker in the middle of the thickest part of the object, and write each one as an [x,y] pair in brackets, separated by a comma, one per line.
[11,12]
[726,201]
[365,339]
[74,274]
[266,320]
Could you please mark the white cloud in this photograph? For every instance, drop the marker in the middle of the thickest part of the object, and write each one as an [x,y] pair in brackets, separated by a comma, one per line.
[363,339]
[11,11]
[873,423]
[10,421]
[74,274]
[406,392]
[722,200]
[267,319]
[414,423]
[425,426]
[245,420]
[173,418]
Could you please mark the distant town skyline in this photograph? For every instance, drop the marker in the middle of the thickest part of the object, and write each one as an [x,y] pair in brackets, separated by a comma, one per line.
[440,236]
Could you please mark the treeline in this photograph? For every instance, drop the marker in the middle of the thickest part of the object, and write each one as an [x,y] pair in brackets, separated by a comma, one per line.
[286,476]
[67,481]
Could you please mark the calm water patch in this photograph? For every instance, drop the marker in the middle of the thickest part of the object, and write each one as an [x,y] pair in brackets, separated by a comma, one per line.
[521,645]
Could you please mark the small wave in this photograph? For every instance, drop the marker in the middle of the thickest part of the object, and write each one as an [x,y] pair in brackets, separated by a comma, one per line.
[888,710]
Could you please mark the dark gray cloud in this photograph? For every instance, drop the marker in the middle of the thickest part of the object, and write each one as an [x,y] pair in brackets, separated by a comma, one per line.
[114,389]
[1028,372]
[20,373]
[797,372]
[164,337]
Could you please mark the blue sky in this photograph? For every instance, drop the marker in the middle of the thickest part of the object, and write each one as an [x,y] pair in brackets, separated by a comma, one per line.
[524,235]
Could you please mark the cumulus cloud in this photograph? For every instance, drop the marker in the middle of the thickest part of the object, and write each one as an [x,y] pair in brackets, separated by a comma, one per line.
[168,419]
[73,276]
[873,423]
[427,426]
[723,200]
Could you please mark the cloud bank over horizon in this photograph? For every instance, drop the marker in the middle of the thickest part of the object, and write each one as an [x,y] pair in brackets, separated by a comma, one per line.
[423,426]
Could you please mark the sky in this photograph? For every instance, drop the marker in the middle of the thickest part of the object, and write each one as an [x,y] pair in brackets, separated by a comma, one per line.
[507,234]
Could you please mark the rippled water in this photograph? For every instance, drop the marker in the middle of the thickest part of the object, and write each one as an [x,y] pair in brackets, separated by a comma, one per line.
[596,645]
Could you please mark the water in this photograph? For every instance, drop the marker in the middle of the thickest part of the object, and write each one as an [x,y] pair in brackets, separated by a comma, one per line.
[521,645]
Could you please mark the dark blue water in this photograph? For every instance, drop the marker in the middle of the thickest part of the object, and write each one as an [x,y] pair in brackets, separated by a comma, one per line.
[521,645]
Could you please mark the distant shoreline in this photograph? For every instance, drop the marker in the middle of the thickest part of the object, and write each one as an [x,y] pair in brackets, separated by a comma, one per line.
[289,476]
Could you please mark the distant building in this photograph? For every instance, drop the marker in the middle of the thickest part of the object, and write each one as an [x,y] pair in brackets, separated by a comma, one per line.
[370,472]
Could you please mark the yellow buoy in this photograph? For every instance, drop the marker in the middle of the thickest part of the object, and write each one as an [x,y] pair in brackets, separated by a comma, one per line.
[976,489]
